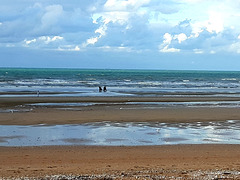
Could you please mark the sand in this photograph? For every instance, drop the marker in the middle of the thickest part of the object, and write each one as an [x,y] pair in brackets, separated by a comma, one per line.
[113,110]
[187,161]
[153,161]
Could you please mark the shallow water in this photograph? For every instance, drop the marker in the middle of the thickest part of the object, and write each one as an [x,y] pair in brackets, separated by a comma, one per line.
[127,134]
[130,105]
[150,104]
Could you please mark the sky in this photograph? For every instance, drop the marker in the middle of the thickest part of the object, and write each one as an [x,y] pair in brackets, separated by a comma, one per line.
[120,34]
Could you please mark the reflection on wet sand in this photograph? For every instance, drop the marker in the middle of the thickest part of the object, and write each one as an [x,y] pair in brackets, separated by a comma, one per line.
[129,134]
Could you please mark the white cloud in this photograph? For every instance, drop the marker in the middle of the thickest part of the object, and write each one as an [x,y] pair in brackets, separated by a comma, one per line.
[47,39]
[180,37]
[101,31]
[197,28]
[91,41]
[168,41]
[30,41]
[215,22]
[164,47]
[76,48]
[43,41]
[167,38]
[117,13]
[55,38]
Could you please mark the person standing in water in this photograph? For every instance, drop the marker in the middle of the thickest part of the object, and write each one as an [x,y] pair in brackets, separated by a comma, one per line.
[105,89]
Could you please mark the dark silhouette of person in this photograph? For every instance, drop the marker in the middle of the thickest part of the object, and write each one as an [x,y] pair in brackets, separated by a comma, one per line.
[100,89]
[105,89]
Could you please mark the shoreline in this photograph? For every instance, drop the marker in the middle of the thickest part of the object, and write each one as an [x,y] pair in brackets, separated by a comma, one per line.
[186,161]
[28,99]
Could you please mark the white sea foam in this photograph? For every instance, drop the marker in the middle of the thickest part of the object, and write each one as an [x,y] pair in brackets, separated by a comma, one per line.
[229,79]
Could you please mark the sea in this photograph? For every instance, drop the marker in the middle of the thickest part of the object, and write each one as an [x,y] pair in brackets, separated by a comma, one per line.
[86,82]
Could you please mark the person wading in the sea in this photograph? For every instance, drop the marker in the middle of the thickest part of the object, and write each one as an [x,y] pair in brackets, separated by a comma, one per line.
[105,89]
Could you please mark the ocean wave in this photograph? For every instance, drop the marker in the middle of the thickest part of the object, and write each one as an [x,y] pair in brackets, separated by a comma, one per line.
[124,81]
[119,83]
[229,79]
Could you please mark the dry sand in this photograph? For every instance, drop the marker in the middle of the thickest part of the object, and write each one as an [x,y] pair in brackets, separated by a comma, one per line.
[188,161]
[122,162]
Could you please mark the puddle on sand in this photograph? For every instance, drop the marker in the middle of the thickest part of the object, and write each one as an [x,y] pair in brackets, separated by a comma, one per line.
[127,134]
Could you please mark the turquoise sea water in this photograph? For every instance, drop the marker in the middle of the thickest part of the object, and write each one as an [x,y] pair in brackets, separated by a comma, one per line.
[85,82]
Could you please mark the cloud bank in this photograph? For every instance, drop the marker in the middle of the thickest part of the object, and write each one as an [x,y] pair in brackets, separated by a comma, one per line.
[162,26]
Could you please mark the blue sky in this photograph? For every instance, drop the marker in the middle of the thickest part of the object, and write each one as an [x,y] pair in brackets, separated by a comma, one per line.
[142,34]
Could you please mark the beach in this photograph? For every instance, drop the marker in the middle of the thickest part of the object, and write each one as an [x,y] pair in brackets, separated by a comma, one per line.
[165,161]
[143,162]
[55,124]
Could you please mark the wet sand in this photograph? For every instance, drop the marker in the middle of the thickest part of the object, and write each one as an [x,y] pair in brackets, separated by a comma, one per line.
[112,109]
[122,162]
[166,115]
[9,101]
